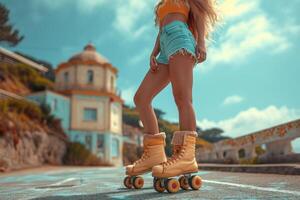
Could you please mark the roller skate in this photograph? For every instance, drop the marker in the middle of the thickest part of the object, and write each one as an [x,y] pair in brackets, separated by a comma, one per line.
[182,163]
[154,154]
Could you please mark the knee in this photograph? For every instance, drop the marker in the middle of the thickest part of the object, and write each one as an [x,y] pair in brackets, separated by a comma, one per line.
[182,99]
[141,99]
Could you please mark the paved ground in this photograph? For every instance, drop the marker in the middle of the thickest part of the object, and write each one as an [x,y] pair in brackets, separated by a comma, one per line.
[279,168]
[106,183]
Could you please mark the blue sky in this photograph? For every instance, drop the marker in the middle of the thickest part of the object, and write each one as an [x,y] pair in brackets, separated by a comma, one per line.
[249,81]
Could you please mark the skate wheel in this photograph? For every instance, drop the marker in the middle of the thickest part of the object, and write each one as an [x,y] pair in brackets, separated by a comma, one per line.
[154,179]
[184,184]
[172,185]
[195,182]
[157,185]
[127,182]
[138,182]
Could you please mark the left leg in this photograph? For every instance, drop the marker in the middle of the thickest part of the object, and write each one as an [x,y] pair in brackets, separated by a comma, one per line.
[181,66]
[183,161]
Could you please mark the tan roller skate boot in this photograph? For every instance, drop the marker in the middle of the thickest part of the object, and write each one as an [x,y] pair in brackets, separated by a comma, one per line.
[182,162]
[154,154]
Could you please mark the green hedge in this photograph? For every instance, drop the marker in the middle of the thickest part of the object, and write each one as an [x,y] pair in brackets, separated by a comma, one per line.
[30,109]
[26,75]
[78,154]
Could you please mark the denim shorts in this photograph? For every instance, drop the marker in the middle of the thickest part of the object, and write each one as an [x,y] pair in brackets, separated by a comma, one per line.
[176,36]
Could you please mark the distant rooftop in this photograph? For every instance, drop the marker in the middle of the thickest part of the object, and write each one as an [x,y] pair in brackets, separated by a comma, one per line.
[89,53]
[23,60]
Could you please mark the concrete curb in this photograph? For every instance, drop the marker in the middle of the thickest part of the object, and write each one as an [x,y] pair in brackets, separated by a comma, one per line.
[286,169]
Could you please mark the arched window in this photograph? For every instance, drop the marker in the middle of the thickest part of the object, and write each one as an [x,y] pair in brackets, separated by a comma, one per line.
[66,77]
[90,76]
[242,153]
[112,86]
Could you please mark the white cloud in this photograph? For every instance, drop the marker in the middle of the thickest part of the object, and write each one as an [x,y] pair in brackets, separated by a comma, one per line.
[128,14]
[232,9]
[250,30]
[234,99]
[141,31]
[128,94]
[252,120]
[89,5]
[296,145]
[139,57]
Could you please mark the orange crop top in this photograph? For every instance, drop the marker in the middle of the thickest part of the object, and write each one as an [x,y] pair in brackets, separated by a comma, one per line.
[169,7]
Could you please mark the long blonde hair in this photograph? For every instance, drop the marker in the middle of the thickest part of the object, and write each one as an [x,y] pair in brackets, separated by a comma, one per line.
[205,8]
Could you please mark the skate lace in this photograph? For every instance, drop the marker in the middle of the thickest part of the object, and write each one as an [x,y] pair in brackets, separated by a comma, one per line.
[178,152]
[143,157]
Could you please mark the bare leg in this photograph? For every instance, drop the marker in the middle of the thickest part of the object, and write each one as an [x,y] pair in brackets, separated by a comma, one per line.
[152,84]
[181,77]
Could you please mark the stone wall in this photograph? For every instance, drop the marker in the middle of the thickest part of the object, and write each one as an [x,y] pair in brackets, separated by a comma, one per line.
[33,149]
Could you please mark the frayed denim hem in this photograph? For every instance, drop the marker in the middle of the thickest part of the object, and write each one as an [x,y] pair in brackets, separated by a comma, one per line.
[184,51]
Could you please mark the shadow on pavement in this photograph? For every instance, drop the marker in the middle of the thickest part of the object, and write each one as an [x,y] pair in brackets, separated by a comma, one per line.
[106,195]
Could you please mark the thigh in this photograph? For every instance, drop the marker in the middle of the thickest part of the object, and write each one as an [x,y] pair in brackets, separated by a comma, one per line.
[162,58]
[153,83]
[181,75]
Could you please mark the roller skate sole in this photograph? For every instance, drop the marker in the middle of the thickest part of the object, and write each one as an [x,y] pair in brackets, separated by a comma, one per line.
[172,185]
[135,180]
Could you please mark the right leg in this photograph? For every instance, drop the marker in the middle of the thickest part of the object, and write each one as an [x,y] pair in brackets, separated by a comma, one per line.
[151,85]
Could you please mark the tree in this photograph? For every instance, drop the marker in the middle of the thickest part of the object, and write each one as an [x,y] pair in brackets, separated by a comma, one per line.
[212,135]
[159,113]
[7,34]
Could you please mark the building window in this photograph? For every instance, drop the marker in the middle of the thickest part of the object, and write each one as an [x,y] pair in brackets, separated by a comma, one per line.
[115,110]
[115,147]
[88,141]
[242,153]
[90,76]
[76,138]
[54,106]
[90,114]
[66,77]
[112,83]
[100,142]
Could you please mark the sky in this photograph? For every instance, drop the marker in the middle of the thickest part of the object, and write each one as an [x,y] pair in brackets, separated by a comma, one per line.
[250,80]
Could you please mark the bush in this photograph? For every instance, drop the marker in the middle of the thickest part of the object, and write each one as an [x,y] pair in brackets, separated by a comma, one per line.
[27,75]
[39,84]
[22,107]
[131,153]
[249,161]
[78,154]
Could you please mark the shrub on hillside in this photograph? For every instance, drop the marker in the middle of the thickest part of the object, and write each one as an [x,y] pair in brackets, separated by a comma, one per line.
[22,107]
[32,111]
[131,153]
[27,75]
[78,154]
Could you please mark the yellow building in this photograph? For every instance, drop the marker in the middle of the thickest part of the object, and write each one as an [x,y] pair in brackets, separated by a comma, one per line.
[95,116]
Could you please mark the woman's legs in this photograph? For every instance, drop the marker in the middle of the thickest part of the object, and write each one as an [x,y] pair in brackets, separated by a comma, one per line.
[182,161]
[151,85]
[181,77]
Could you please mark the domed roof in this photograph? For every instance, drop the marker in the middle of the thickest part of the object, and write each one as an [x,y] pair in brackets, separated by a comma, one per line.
[89,53]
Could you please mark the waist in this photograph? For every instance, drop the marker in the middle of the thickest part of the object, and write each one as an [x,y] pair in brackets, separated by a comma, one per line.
[173,24]
[171,17]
